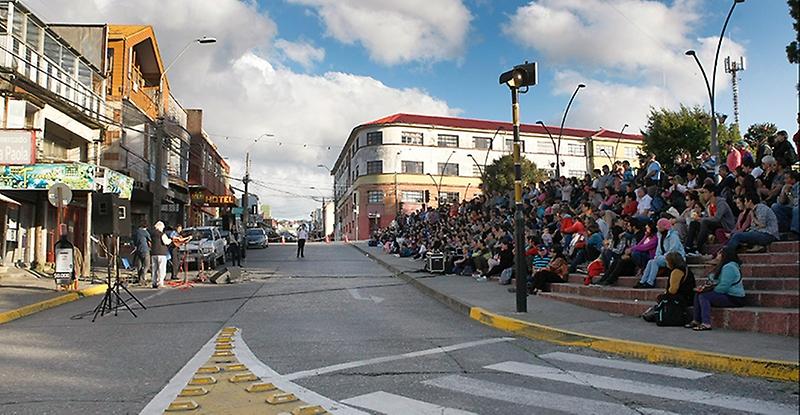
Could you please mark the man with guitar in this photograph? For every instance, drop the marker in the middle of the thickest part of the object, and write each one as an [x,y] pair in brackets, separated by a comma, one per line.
[175,248]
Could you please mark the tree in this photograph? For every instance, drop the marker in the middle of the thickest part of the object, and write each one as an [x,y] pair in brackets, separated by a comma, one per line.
[499,176]
[670,132]
[793,49]
[757,132]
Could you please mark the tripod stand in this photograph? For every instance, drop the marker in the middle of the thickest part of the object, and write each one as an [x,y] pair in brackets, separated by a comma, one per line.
[112,300]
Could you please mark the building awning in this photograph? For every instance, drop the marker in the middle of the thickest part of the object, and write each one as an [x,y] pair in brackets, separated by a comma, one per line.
[6,199]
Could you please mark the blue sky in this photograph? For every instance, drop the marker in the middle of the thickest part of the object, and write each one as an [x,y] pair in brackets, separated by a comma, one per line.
[308,71]
[469,83]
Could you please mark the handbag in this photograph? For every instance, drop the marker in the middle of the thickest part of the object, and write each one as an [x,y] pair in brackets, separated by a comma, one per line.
[671,313]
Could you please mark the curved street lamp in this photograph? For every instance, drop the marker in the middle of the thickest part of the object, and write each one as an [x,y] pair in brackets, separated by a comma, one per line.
[480,170]
[441,177]
[555,149]
[564,118]
[711,86]
[616,149]
[491,145]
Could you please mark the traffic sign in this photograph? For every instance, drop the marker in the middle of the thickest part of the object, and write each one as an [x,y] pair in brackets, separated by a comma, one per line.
[59,195]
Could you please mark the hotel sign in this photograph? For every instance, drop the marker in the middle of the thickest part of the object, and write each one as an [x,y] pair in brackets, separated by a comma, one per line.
[204,199]
[17,147]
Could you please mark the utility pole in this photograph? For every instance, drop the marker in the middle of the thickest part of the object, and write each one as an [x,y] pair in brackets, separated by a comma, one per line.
[158,190]
[733,68]
[245,202]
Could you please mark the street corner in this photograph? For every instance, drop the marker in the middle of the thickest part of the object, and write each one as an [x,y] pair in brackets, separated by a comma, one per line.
[66,297]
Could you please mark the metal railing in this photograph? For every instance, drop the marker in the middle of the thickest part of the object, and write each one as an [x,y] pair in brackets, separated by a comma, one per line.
[40,70]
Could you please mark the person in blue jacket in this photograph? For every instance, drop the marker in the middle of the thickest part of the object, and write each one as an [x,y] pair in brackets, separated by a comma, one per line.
[724,288]
[668,241]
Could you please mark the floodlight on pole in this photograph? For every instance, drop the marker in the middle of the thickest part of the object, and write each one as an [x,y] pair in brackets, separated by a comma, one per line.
[520,76]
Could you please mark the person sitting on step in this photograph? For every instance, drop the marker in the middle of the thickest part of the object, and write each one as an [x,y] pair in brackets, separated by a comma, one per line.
[723,288]
[668,241]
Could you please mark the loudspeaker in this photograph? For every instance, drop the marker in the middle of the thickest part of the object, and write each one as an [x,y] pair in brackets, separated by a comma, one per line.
[111,215]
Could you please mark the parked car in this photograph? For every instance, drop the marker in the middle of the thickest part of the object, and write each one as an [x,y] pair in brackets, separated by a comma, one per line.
[273,236]
[207,244]
[256,238]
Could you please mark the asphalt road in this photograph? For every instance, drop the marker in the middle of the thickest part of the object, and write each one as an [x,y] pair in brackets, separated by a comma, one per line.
[339,325]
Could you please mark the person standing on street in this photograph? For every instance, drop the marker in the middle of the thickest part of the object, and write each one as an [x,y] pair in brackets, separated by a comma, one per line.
[235,250]
[141,253]
[302,235]
[175,248]
[160,242]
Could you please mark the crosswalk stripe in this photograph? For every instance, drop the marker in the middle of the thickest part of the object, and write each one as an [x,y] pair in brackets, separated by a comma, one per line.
[642,388]
[674,372]
[530,397]
[390,404]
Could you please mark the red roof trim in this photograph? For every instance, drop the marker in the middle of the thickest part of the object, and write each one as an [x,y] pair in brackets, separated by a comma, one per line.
[492,125]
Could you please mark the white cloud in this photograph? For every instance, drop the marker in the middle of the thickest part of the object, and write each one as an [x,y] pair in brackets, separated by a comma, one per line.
[397,31]
[245,94]
[301,52]
[630,53]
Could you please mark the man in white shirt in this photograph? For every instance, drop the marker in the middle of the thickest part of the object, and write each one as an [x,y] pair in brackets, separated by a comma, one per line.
[645,202]
[302,235]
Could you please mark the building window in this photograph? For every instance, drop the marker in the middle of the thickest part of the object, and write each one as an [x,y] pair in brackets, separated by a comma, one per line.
[451,169]
[413,196]
[413,167]
[576,149]
[576,173]
[375,167]
[631,153]
[449,197]
[544,147]
[604,150]
[477,171]
[510,145]
[375,138]
[483,143]
[411,137]
[447,140]
[375,197]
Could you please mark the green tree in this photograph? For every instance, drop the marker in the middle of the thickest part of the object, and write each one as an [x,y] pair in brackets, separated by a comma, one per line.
[793,49]
[499,176]
[757,132]
[670,132]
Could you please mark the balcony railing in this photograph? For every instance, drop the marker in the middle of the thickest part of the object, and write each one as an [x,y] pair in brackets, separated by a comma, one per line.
[39,70]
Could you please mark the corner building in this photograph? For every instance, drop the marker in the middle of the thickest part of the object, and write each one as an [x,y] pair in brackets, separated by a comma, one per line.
[387,165]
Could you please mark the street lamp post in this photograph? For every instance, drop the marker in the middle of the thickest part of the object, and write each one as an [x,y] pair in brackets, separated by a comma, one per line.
[555,148]
[711,87]
[324,230]
[435,185]
[441,177]
[158,189]
[616,149]
[491,144]
[480,170]
[566,111]
[397,166]
[520,76]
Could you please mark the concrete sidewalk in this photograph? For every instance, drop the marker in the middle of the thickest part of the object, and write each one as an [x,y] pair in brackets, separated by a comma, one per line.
[553,320]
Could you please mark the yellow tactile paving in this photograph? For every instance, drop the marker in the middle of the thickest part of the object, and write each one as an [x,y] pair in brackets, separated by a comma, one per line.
[234,390]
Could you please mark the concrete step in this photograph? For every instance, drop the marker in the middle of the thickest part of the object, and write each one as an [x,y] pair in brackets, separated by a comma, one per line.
[781,321]
[766,284]
[754,270]
[793,246]
[779,299]
[782,258]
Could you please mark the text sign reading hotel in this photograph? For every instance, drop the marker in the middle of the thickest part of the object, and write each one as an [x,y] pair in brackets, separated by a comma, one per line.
[213,200]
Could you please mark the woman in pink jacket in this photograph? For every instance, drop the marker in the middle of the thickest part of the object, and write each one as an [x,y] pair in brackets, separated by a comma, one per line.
[645,250]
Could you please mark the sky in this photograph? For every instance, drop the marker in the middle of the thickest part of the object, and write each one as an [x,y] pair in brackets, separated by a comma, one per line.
[300,74]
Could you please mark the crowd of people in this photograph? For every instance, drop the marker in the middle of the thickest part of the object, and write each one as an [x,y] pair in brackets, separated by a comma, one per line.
[620,221]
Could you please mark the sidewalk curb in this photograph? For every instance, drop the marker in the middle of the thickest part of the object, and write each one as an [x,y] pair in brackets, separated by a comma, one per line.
[29,309]
[653,353]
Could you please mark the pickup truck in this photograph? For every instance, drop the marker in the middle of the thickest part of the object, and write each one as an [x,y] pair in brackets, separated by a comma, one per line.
[207,244]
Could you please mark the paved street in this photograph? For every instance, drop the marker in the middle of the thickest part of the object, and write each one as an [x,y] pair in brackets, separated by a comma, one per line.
[338,330]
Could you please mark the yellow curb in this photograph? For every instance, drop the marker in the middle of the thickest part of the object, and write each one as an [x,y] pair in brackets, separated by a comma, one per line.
[653,353]
[27,310]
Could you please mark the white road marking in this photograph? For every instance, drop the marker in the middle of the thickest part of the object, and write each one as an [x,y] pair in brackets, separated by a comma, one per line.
[623,365]
[161,401]
[648,389]
[390,404]
[357,295]
[384,359]
[258,368]
[530,397]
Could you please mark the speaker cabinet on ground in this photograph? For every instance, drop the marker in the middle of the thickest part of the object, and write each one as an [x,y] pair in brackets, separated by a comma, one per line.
[111,215]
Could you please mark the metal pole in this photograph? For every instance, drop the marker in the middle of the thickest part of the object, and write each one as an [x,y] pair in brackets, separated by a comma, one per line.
[616,149]
[555,149]
[714,127]
[157,193]
[245,202]
[520,270]
[564,118]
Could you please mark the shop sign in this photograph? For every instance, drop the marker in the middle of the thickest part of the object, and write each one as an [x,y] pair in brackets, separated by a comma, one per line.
[78,176]
[17,147]
[204,199]
[118,183]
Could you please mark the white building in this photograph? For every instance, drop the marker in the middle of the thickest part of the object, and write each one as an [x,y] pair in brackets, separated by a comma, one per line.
[388,165]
